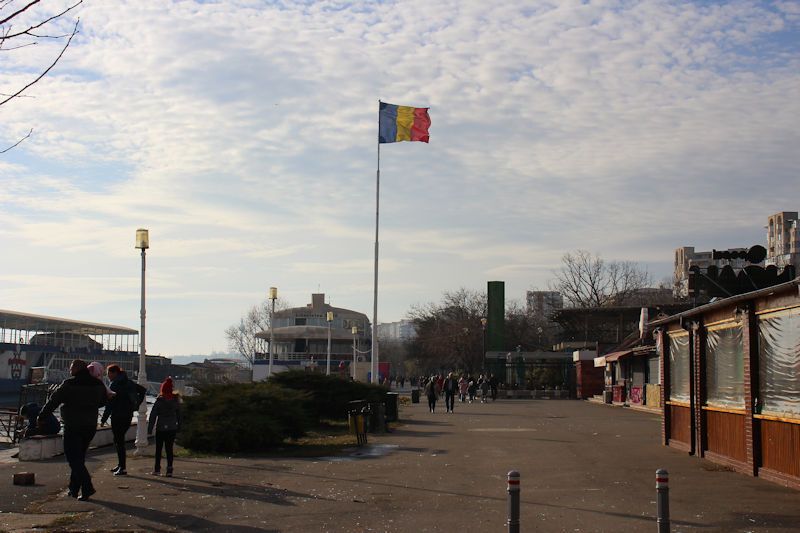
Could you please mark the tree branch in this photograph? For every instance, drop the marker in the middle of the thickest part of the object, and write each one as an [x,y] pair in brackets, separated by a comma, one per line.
[16,143]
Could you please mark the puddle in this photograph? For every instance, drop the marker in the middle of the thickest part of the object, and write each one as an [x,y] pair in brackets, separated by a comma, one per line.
[370,451]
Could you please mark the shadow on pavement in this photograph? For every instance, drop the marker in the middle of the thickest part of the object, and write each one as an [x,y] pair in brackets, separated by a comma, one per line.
[464,495]
[182,521]
[219,488]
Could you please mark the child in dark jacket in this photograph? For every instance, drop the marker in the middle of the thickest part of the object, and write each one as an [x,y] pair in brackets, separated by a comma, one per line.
[165,416]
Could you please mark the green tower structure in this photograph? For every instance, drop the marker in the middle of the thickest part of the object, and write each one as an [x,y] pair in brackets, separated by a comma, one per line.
[495,327]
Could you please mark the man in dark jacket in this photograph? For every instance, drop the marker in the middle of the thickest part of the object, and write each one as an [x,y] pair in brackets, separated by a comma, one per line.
[80,397]
[120,408]
[450,387]
[30,412]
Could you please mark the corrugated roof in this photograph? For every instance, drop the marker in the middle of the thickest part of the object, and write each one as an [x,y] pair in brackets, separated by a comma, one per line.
[49,324]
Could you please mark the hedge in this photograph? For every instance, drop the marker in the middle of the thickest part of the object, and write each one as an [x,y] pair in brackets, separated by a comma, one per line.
[329,394]
[243,417]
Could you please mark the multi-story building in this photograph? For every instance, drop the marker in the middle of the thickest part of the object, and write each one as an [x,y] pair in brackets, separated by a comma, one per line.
[686,257]
[402,330]
[544,303]
[783,239]
[302,336]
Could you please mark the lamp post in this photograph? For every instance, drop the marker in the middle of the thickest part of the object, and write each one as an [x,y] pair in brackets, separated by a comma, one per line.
[354,330]
[273,295]
[484,321]
[142,243]
[329,318]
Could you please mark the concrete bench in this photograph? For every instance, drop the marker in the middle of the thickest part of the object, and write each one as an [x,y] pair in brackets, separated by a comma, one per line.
[45,447]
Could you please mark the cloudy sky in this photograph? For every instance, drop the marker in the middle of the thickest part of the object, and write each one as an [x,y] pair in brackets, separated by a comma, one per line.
[243,134]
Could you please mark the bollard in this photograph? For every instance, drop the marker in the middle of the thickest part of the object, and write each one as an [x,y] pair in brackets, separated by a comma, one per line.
[662,500]
[513,502]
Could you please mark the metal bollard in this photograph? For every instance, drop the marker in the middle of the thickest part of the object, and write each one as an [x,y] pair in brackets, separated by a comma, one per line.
[662,500]
[513,502]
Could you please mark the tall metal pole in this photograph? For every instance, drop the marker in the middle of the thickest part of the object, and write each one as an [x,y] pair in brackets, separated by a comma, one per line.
[273,293]
[141,424]
[329,317]
[374,367]
[355,357]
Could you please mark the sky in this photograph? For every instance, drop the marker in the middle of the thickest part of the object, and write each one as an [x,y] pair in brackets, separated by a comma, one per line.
[243,135]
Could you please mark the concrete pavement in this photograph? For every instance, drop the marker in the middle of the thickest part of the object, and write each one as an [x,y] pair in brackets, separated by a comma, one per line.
[584,468]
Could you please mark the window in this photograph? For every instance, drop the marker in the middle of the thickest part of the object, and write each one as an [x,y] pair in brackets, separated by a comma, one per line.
[779,363]
[299,321]
[724,366]
[679,367]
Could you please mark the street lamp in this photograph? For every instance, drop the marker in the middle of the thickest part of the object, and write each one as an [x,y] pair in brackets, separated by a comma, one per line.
[354,330]
[329,318]
[273,295]
[142,243]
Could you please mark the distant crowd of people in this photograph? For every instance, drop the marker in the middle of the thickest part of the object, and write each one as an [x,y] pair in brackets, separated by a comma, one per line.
[467,388]
[81,397]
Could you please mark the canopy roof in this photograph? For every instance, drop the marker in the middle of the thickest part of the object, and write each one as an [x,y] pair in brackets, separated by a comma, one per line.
[48,324]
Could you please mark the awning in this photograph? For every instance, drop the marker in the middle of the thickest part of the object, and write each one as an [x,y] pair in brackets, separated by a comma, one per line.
[611,357]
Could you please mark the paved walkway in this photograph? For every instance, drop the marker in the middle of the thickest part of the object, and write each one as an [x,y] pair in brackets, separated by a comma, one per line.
[584,468]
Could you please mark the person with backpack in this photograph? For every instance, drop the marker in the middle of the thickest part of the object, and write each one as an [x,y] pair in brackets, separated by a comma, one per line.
[167,411]
[80,398]
[128,396]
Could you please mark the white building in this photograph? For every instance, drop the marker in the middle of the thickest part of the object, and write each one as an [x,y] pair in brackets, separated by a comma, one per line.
[783,239]
[401,330]
[544,303]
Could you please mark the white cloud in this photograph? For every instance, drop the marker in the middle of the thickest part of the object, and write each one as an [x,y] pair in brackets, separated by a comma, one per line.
[243,135]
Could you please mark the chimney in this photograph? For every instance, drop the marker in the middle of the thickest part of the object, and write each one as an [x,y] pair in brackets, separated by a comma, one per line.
[318,301]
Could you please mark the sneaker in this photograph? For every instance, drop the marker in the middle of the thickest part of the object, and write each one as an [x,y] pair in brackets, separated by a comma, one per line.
[155,473]
[114,469]
[121,472]
[86,495]
[72,493]
[169,472]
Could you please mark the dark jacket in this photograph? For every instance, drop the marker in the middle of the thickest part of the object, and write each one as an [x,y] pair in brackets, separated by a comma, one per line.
[450,385]
[121,404]
[168,414]
[80,397]
[50,424]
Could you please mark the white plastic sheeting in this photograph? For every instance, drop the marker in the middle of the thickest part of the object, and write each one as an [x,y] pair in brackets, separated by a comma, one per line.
[779,363]
[679,367]
[724,367]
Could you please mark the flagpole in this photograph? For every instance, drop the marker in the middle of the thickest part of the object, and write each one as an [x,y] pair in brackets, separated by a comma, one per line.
[374,375]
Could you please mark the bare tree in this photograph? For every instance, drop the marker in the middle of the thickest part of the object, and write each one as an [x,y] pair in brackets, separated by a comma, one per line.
[23,24]
[587,280]
[242,336]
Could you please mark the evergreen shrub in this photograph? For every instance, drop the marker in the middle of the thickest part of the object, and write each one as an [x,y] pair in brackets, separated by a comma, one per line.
[329,394]
[243,417]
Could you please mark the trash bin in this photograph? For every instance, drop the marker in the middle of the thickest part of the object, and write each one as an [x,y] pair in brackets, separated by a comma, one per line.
[377,418]
[414,395]
[392,401]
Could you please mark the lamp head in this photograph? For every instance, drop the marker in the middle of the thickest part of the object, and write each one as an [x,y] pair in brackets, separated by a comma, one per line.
[354,329]
[329,316]
[142,239]
[273,293]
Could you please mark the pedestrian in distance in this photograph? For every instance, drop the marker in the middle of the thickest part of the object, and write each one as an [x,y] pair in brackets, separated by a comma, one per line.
[450,389]
[472,389]
[128,396]
[165,416]
[440,384]
[484,387]
[432,392]
[493,383]
[463,386]
[80,398]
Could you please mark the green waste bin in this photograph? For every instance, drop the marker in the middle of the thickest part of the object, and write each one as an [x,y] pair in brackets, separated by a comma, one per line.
[392,401]
[415,396]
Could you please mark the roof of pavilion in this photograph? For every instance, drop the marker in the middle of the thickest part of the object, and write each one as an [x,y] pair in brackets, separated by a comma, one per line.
[47,324]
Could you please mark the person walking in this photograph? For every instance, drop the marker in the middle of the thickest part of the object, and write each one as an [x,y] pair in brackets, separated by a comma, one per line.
[128,396]
[80,397]
[472,389]
[167,412]
[463,386]
[432,392]
[484,386]
[493,383]
[450,387]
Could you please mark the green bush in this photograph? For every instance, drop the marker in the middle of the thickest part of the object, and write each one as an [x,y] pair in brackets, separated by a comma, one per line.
[243,417]
[329,394]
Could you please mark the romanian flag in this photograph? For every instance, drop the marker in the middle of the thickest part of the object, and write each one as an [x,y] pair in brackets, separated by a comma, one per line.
[402,123]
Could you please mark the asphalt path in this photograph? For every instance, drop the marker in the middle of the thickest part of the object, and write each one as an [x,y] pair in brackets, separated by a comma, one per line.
[584,467]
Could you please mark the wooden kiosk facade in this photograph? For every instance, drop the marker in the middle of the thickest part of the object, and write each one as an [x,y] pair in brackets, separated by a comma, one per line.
[731,382]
